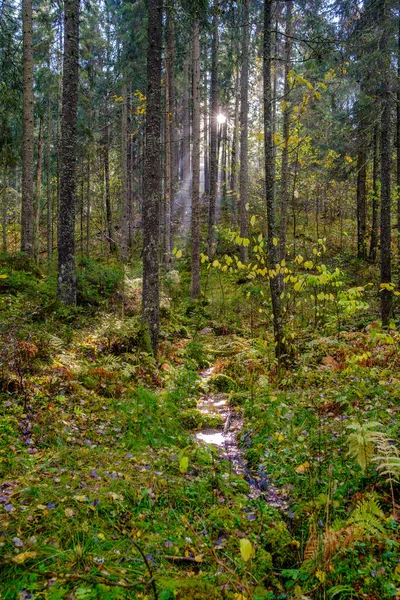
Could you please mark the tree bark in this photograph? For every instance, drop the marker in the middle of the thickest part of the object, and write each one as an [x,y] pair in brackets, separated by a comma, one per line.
[38,189]
[195,271]
[234,151]
[269,186]
[244,133]
[213,135]
[66,228]
[170,72]
[361,199]
[124,225]
[375,198]
[49,215]
[152,174]
[27,208]
[106,143]
[284,200]
[386,265]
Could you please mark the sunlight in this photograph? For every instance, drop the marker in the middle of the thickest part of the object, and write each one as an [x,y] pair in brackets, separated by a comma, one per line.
[221,118]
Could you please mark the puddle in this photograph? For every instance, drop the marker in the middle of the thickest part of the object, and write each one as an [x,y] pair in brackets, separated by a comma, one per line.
[225,440]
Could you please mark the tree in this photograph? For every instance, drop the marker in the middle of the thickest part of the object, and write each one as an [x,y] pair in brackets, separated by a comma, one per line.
[273,257]
[213,133]
[195,282]
[27,208]
[386,264]
[152,174]
[66,289]
[244,132]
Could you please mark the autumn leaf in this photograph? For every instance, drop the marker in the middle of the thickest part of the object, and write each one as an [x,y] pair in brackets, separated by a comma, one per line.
[246,549]
[21,558]
[303,468]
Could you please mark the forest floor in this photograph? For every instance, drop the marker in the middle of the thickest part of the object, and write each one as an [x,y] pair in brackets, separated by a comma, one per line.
[108,491]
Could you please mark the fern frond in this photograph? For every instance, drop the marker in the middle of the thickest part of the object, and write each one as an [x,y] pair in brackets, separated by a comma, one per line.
[362,440]
[387,458]
[368,516]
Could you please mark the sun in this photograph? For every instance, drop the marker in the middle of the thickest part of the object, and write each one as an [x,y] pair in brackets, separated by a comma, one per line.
[221,119]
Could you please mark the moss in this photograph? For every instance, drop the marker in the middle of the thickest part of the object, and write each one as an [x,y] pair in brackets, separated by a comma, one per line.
[193,589]
[222,383]
[238,398]
[193,419]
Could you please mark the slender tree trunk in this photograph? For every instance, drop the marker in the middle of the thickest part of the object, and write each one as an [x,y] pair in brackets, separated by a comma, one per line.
[386,266]
[224,166]
[213,135]
[398,153]
[38,190]
[4,209]
[186,132]
[361,198]
[170,60]
[284,200]
[88,204]
[27,209]
[244,132]
[273,257]
[375,198]
[66,228]
[169,145]
[234,152]
[205,137]
[106,144]
[152,174]
[124,225]
[49,215]
[195,272]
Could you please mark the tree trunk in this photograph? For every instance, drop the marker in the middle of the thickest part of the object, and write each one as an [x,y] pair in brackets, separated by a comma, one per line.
[213,135]
[398,153]
[269,186]
[386,266]
[244,133]
[152,174]
[49,215]
[27,209]
[170,59]
[205,137]
[66,228]
[124,224]
[106,143]
[375,198]
[195,272]
[4,210]
[234,151]
[284,200]
[38,190]
[186,134]
[361,198]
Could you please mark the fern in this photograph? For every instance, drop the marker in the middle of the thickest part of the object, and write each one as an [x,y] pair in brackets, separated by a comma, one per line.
[387,458]
[362,441]
[368,516]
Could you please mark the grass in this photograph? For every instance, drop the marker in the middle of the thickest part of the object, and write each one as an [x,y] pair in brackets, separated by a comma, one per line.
[93,500]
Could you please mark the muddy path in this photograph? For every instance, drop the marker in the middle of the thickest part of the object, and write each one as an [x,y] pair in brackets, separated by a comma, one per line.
[232,445]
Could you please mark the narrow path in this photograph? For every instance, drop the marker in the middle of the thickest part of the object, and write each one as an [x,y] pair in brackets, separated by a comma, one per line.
[225,440]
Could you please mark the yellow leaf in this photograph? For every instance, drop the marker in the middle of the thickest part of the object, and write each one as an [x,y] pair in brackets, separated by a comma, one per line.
[281,437]
[253,220]
[3,276]
[183,464]
[275,241]
[178,254]
[101,536]
[81,498]
[21,558]
[246,549]
[69,512]
[303,468]
[198,558]
[320,575]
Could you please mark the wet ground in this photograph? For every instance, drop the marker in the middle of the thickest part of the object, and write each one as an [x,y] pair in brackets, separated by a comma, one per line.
[226,440]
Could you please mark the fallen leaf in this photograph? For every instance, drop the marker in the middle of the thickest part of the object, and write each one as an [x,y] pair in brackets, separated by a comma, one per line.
[21,558]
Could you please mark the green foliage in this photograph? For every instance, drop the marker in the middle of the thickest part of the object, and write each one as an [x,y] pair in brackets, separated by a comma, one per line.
[95,282]
[368,516]
[362,440]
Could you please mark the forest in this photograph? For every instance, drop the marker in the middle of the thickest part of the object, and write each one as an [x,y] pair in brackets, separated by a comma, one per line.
[199,299]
